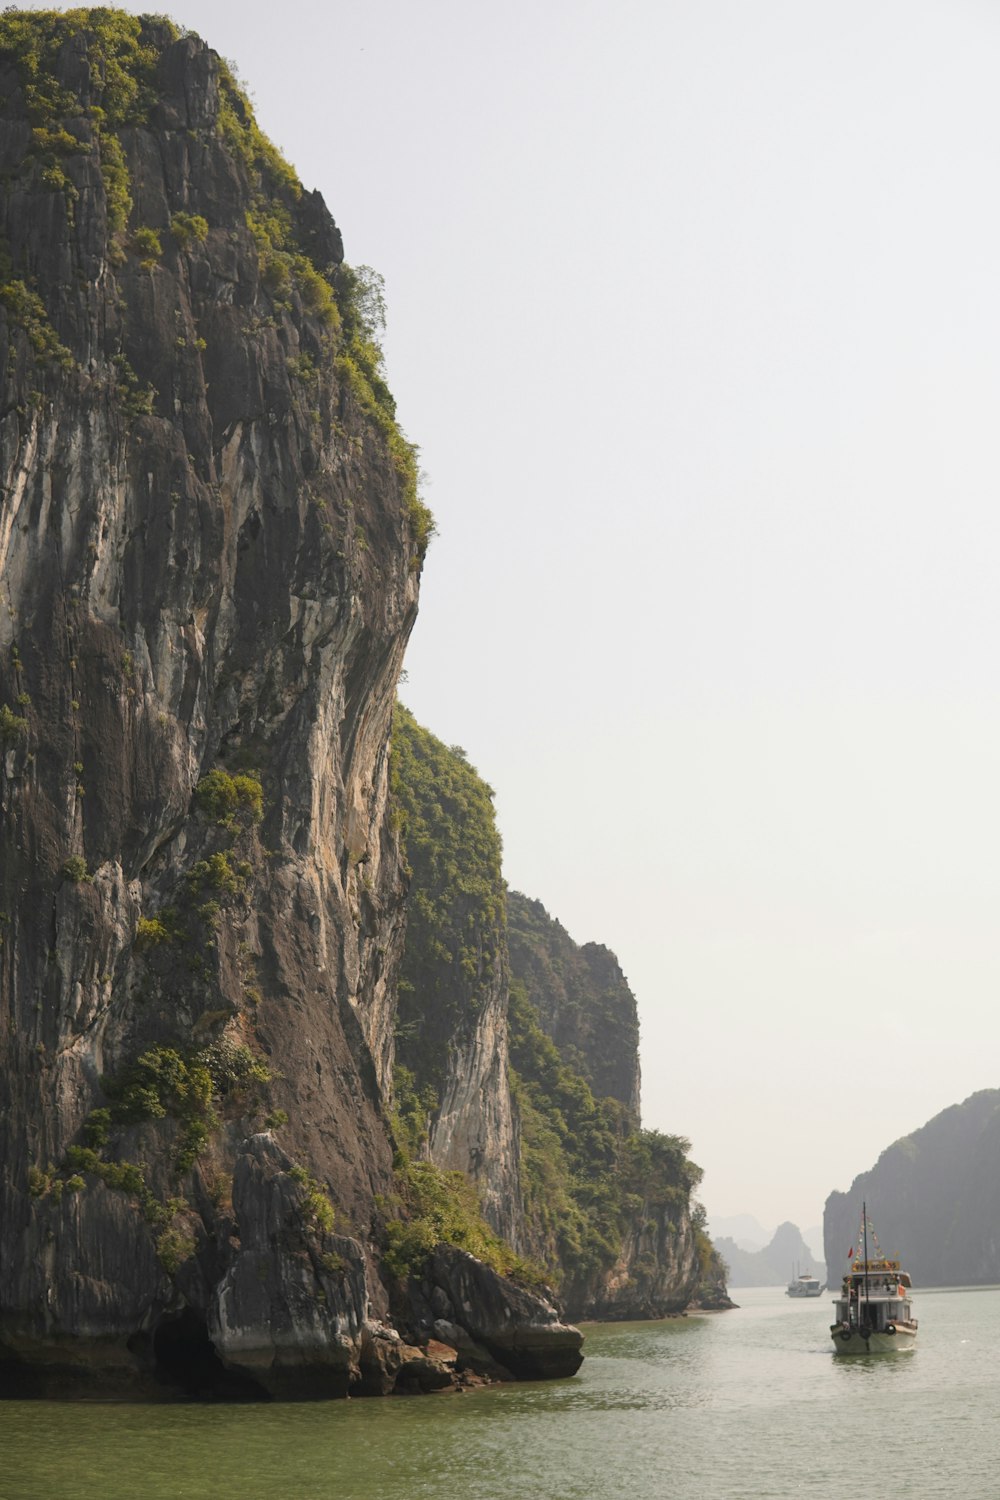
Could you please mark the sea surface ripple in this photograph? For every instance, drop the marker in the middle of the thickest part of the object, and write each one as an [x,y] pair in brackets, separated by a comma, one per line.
[751,1403]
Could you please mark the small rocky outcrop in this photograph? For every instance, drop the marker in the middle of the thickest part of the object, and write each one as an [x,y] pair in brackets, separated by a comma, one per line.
[291,1310]
[713,1294]
[521,1333]
[656,1274]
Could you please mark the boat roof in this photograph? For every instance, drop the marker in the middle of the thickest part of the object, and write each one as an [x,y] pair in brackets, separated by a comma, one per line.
[885,1269]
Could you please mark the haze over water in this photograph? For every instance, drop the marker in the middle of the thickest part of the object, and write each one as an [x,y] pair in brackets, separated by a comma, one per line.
[749,1403]
[694,314]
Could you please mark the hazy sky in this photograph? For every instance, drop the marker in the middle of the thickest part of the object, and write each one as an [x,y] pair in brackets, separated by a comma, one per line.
[695,314]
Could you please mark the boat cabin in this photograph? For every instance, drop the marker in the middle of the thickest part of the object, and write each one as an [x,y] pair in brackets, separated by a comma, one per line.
[875,1295]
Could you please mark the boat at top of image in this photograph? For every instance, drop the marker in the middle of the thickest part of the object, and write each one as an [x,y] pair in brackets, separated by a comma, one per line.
[805,1285]
[873,1312]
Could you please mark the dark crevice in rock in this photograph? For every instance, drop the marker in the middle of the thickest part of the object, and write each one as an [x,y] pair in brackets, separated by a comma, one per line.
[186,1359]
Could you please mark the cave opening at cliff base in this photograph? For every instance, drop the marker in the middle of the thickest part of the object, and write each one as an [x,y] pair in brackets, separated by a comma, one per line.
[186,1360]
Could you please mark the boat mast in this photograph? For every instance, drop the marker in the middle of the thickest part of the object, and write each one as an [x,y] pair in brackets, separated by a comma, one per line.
[864,1231]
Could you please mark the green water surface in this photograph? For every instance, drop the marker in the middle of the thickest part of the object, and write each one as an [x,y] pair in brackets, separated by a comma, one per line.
[748,1403]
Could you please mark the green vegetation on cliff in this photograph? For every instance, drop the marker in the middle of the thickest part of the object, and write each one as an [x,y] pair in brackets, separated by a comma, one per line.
[434,1207]
[119,89]
[122,60]
[586,1171]
[456,908]
[590,1179]
[582,998]
[431,1205]
[570,1144]
[348,300]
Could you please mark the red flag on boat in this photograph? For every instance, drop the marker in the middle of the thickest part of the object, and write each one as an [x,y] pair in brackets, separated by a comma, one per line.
[850,1252]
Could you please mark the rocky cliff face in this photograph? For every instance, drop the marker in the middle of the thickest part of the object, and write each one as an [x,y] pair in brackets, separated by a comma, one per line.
[500,1062]
[475,1130]
[657,1269]
[608,1204]
[582,998]
[210,547]
[639,1250]
[933,1198]
[452,1038]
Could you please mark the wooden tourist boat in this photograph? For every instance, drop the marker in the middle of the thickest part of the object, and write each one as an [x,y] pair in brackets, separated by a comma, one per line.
[873,1313]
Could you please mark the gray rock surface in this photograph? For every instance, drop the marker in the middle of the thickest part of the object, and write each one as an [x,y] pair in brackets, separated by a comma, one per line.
[475,1130]
[210,562]
[520,1330]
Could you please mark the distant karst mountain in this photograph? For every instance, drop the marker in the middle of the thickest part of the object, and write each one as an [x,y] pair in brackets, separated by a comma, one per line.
[747,1232]
[784,1257]
[933,1197]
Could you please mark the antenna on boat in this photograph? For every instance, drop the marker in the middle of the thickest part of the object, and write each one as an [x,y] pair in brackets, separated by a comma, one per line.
[864,1230]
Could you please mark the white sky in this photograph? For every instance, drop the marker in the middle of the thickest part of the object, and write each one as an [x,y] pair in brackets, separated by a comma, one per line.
[695,314]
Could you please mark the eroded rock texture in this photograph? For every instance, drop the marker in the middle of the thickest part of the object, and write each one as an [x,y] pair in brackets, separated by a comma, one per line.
[210,549]
[453,1033]
[582,997]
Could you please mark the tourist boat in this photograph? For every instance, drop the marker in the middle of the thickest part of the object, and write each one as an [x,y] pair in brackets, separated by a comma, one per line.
[873,1312]
[805,1285]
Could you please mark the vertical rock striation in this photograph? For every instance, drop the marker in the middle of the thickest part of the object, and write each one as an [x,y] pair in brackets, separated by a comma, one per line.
[210,548]
[453,996]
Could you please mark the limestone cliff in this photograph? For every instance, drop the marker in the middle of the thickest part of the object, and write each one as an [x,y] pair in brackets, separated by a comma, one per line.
[582,998]
[609,1203]
[210,547]
[603,1208]
[933,1198]
[452,1026]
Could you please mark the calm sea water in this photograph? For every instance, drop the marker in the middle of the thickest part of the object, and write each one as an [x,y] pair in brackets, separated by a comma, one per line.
[747,1403]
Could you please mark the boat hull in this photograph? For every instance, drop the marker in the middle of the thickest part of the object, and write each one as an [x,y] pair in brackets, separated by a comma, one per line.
[876,1343]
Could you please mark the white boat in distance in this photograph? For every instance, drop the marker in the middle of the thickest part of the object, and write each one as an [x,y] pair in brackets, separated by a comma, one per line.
[873,1312]
[806,1285]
